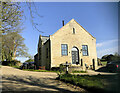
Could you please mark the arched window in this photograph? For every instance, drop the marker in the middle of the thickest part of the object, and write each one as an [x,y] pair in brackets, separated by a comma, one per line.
[73,30]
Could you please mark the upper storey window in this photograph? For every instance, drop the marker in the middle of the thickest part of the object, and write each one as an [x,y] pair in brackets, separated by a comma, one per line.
[73,30]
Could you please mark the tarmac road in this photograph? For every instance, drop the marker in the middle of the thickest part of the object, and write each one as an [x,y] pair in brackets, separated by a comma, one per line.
[15,80]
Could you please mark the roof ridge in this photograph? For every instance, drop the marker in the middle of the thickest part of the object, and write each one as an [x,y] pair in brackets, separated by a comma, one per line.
[45,36]
[62,27]
[83,28]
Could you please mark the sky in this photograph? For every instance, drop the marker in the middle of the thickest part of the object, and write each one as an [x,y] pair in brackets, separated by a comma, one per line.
[100,19]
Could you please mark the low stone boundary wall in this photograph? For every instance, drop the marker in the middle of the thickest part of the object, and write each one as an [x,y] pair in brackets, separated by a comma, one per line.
[75,68]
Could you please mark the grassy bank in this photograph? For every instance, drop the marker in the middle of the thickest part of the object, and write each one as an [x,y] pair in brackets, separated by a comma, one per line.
[95,83]
[75,71]
[16,67]
[85,80]
[104,63]
[38,70]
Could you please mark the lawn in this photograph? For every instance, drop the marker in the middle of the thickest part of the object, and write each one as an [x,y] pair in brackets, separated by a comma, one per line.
[94,83]
[16,66]
[75,71]
[39,70]
[104,63]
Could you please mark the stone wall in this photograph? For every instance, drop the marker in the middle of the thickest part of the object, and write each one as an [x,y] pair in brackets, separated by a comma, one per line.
[65,36]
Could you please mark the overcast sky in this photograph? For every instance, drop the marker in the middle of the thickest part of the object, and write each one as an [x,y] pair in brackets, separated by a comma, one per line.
[99,19]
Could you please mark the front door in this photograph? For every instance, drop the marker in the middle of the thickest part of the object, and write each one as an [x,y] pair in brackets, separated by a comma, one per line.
[75,56]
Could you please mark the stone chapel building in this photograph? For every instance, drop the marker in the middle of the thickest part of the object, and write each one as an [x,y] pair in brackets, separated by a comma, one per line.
[71,43]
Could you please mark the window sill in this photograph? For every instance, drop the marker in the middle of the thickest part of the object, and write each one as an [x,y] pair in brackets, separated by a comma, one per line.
[64,55]
[85,55]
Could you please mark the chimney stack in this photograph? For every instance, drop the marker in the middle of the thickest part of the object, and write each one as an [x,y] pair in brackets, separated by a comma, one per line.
[63,22]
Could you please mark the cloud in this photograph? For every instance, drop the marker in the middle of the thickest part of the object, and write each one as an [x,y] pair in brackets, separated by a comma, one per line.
[107,47]
[106,43]
[99,44]
[22,59]
[112,50]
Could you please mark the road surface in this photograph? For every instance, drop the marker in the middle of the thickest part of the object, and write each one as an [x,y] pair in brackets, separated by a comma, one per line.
[37,82]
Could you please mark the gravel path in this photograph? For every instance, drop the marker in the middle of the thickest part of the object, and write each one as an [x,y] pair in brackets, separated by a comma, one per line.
[37,82]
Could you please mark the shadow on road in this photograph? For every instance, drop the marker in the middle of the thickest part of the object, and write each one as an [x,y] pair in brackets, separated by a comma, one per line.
[17,84]
[37,92]
[102,69]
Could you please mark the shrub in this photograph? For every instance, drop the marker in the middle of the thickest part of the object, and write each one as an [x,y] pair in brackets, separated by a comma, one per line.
[11,63]
[110,57]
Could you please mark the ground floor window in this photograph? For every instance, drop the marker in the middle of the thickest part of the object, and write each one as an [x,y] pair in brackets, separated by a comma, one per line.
[64,49]
[85,50]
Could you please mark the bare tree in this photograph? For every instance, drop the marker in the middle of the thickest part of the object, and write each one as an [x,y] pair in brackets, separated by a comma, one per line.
[33,14]
[11,25]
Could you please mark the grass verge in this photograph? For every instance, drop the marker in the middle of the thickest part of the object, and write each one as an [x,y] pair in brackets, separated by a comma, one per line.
[104,63]
[94,83]
[16,67]
[75,71]
[38,70]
